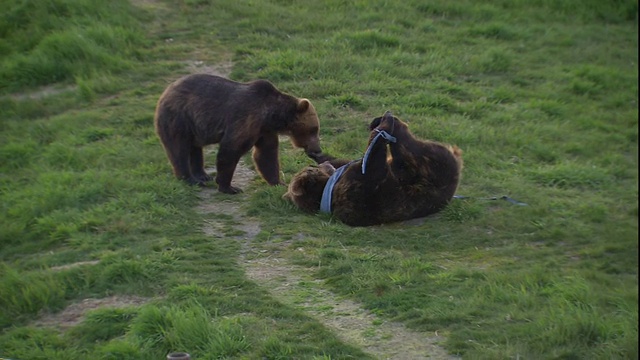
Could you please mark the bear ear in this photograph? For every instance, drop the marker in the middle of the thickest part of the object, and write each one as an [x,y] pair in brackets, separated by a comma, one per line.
[388,116]
[303,105]
[375,123]
[293,192]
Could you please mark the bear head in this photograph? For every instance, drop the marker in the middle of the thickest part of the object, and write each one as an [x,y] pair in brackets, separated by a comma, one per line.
[304,131]
[306,187]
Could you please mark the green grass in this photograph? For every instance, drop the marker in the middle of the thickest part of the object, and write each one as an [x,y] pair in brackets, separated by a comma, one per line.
[59,41]
[542,96]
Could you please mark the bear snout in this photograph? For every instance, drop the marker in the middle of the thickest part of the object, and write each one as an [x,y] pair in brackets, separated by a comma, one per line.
[313,148]
[318,156]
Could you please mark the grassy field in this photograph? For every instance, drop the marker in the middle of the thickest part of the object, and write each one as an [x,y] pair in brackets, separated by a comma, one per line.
[542,96]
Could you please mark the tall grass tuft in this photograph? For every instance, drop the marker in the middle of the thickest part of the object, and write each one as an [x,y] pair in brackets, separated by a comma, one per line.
[27,294]
[44,47]
[189,328]
[103,324]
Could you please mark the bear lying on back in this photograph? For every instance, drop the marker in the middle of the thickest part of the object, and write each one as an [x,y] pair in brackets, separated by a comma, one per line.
[201,109]
[416,179]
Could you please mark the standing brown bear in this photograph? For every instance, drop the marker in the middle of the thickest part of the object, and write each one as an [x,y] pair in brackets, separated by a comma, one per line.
[202,109]
[416,179]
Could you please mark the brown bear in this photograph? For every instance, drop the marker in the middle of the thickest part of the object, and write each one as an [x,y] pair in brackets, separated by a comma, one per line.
[417,178]
[202,109]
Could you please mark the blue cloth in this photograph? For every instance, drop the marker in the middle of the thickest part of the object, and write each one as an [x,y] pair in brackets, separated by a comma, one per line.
[325,202]
[381,134]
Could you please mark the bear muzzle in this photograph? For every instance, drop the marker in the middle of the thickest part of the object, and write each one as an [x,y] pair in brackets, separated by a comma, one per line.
[318,156]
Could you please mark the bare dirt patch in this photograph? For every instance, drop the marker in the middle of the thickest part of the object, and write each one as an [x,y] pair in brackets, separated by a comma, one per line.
[200,67]
[74,265]
[149,4]
[41,93]
[74,313]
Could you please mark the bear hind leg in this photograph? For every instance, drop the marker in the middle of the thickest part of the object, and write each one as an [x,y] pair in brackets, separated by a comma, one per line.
[226,165]
[179,155]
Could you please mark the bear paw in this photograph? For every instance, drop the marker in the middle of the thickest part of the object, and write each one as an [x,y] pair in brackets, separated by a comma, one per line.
[231,190]
[195,181]
[387,123]
[202,178]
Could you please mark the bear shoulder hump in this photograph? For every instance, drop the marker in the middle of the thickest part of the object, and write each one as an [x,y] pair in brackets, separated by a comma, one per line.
[264,87]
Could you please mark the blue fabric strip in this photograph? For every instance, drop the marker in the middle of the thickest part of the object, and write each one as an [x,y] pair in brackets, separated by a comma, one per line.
[325,203]
[381,133]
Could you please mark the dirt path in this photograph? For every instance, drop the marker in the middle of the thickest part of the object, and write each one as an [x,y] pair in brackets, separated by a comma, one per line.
[294,286]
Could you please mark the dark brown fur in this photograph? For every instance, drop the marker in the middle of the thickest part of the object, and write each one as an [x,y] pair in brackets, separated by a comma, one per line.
[415,179]
[201,109]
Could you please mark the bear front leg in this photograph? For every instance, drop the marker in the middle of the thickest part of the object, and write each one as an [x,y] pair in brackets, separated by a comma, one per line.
[226,163]
[374,163]
[265,157]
